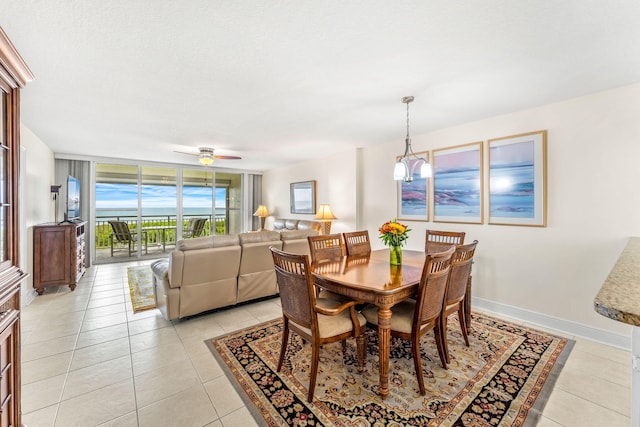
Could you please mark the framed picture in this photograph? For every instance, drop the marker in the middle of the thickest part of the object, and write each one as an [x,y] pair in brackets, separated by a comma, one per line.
[518,179]
[457,184]
[413,197]
[303,197]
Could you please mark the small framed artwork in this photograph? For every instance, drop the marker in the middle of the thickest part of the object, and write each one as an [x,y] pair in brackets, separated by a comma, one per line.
[457,184]
[518,179]
[303,197]
[413,197]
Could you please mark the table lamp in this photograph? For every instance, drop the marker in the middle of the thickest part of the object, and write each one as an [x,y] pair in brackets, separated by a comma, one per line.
[263,213]
[325,215]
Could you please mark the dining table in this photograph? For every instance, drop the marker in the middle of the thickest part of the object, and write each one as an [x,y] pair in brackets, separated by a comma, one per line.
[372,279]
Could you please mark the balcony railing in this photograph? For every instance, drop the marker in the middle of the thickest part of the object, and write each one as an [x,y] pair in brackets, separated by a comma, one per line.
[156,225]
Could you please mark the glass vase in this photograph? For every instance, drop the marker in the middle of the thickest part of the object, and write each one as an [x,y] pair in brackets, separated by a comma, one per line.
[395,255]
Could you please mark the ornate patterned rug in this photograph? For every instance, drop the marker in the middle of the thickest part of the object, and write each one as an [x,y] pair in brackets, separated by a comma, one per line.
[503,379]
[141,288]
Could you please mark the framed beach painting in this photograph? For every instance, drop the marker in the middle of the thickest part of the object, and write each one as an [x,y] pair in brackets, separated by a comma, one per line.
[517,179]
[413,197]
[303,197]
[457,184]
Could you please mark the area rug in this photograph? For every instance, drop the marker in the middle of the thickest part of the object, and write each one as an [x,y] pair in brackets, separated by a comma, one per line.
[141,288]
[503,379]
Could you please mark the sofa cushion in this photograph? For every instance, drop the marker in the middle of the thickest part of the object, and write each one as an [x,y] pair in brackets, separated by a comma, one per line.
[297,234]
[309,225]
[207,242]
[258,237]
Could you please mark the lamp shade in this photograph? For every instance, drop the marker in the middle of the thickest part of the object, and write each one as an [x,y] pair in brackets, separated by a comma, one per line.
[262,211]
[324,212]
[205,160]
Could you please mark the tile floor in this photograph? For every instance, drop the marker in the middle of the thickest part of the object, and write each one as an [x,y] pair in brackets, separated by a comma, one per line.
[87,360]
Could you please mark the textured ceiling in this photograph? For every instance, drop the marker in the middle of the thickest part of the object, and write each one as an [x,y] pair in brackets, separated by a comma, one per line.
[278,82]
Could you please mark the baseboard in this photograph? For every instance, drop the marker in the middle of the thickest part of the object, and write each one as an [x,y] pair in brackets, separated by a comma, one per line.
[562,325]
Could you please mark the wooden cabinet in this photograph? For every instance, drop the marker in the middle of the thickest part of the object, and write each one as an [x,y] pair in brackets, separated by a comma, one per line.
[59,252]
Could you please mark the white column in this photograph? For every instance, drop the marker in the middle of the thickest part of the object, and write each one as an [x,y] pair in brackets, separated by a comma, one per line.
[635,382]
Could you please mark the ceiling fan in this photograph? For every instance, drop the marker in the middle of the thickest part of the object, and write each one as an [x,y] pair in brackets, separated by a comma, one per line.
[206,156]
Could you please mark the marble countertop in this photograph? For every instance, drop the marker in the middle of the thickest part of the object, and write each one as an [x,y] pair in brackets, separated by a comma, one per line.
[619,296]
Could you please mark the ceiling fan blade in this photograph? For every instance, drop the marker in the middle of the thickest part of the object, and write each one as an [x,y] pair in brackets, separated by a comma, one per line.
[227,157]
[184,152]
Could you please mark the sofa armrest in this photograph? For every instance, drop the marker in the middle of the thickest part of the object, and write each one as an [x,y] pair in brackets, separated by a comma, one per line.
[160,271]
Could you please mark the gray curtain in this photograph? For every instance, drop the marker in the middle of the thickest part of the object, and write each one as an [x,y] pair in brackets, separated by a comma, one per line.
[81,170]
[255,199]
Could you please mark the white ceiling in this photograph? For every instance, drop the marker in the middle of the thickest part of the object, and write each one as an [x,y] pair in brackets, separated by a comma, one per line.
[278,82]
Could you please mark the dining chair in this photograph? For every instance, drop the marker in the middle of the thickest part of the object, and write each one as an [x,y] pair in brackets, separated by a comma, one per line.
[120,233]
[326,246]
[357,242]
[411,319]
[438,241]
[454,298]
[303,314]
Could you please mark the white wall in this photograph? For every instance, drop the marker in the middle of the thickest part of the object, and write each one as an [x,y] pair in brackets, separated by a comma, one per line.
[547,274]
[36,204]
[335,178]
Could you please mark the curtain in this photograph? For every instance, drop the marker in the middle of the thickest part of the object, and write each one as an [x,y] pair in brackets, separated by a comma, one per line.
[255,199]
[81,170]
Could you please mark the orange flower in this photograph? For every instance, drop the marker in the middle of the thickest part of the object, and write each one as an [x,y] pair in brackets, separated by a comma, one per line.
[394,233]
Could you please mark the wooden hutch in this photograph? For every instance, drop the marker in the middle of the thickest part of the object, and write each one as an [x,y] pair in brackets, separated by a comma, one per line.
[14,74]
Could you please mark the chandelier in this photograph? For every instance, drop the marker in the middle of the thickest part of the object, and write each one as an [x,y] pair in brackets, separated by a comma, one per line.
[406,165]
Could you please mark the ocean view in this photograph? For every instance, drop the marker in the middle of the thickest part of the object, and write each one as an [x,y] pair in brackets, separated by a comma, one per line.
[107,214]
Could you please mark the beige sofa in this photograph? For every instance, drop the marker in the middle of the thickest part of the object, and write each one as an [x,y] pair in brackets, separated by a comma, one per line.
[206,273]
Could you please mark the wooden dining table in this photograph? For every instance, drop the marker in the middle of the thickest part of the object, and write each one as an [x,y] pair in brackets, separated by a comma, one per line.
[372,279]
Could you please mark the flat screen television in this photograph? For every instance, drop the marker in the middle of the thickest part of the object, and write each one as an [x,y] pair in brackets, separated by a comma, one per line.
[73,199]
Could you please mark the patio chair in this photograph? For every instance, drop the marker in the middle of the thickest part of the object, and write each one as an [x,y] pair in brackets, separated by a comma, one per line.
[121,234]
[195,227]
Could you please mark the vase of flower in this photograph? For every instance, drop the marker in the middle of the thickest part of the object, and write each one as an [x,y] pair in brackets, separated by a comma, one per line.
[393,234]
[395,255]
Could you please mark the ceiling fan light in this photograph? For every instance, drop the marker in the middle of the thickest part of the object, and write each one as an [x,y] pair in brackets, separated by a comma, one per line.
[205,160]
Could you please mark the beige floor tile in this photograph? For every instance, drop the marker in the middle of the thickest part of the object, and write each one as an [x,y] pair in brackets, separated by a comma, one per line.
[196,346]
[131,316]
[45,367]
[154,338]
[106,293]
[43,393]
[106,301]
[166,381]
[47,348]
[216,423]
[148,324]
[98,406]
[591,365]
[569,410]
[47,334]
[240,325]
[207,366]
[103,321]
[53,319]
[128,420]
[157,357]
[603,350]
[104,311]
[97,376]
[597,390]
[241,417]
[229,319]
[98,353]
[101,335]
[546,422]
[44,417]
[224,397]
[188,408]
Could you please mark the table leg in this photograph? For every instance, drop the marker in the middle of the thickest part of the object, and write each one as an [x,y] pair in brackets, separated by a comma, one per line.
[384,345]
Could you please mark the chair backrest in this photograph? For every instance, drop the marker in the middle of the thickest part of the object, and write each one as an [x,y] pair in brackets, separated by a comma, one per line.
[357,242]
[295,284]
[433,286]
[198,227]
[326,246]
[439,241]
[461,261]
[121,231]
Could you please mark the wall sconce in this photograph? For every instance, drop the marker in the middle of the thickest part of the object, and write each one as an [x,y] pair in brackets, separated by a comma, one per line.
[325,215]
[263,213]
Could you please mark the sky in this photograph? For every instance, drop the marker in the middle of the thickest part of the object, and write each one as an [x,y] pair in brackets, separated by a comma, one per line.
[125,196]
